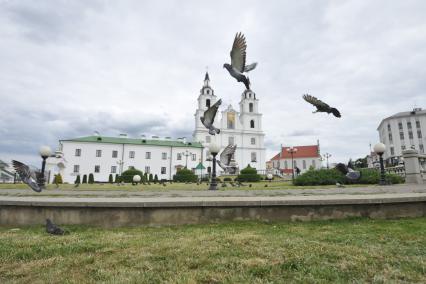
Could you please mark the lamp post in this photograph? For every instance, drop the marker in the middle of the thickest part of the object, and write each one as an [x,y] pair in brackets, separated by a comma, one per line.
[214,150]
[380,148]
[292,150]
[327,155]
[45,153]
[186,154]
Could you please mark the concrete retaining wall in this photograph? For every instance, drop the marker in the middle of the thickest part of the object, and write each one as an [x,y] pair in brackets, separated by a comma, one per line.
[115,214]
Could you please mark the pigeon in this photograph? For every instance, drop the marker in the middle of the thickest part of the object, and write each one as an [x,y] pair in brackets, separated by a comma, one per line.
[350,173]
[208,118]
[321,106]
[52,229]
[238,61]
[339,185]
[226,156]
[33,178]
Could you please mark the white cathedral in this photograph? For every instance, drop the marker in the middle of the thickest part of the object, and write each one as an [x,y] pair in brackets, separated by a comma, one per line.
[243,128]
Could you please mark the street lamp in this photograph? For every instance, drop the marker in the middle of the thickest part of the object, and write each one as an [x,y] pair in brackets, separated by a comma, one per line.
[45,153]
[380,148]
[327,155]
[292,150]
[186,154]
[214,150]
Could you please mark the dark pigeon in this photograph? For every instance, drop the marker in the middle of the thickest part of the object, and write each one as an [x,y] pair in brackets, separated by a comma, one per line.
[208,118]
[52,229]
[226,157]
[321,106]
[238,66]
[30,177]
[350,174]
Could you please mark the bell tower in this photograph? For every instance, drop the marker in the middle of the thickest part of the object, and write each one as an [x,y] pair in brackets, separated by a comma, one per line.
[250,118]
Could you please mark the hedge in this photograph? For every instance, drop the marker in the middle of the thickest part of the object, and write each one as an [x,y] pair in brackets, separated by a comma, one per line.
[248,174]
[127,176]
[185,175]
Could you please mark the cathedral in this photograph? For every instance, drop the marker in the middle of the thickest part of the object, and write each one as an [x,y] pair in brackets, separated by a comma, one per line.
[242,128]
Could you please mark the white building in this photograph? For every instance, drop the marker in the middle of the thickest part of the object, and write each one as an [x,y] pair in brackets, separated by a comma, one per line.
[243,128]
[103,156]
[402,131]
[304,158]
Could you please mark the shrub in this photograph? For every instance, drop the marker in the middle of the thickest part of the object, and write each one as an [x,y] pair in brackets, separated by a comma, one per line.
[151,177]
[145,177]
[185,175]
[77,180]
[117,178]
[320,177]
[57,179]
[84,179]
[155,178]
[248,174]
[91,178]
[227,179]
[110,178]
[127,176]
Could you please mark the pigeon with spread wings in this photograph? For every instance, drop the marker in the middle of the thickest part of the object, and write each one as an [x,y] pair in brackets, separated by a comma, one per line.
[28,176]
[321,106]
[238,66]
[226,157]
[208,118]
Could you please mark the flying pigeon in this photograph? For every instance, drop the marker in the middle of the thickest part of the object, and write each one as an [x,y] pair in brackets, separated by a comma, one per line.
[209,116]
[321,106]
[51,228]
[350,173]
[238,61]
[226,156]
[30,177]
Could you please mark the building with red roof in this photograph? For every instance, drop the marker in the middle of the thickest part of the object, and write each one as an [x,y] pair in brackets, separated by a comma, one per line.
[304,157]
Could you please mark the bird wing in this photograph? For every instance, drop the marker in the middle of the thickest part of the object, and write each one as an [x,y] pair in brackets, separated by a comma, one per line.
[238,52]
[226,155]
[314,101]
[210,113]
[250,67]
[23,170]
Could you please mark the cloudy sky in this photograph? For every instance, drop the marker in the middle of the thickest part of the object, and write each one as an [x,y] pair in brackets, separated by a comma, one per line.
[68,68]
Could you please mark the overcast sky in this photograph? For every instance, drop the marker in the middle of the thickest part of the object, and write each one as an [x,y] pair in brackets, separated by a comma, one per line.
[68,68]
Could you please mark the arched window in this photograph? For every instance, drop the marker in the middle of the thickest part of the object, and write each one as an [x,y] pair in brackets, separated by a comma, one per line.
[252,123]
[208,103]
[250,107]
[207,92]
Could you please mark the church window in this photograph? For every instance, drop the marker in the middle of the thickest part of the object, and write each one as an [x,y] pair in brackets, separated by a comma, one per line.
[208,103]
[179,156]
[163,170]
[250,95]
[253,157]
[207,92]
[194,157]
[231,120]
[77,152]
[148,155]
[98,153]
[147,169]
[231,140]
[132,154]
[208,139]
[252,123]
[250,107]
[97,169]
[253,141]
[114,154]
[76,168]
[113,169]
[164,156]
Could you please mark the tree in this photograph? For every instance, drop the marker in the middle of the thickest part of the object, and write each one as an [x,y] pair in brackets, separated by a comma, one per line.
[145,177]
[361,163]
[151,177]
[110,179]
[249,174]
[84,179]
[77,180]
[127,176]
[117,178]
[350,164]
[155,178]
[185,175]
[91,178]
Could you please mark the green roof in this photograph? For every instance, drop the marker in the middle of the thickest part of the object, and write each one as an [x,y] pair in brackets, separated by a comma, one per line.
[134,141]
[200,167]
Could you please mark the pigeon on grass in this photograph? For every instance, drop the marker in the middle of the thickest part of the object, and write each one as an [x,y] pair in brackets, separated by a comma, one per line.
[52,229]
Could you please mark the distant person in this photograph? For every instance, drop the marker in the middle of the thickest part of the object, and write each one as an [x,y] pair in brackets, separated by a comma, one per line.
[297,171]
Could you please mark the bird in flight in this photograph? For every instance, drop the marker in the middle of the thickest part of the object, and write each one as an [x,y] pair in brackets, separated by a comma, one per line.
[238,66]
[208,118]
[226,157]
[321,106]
[30,177]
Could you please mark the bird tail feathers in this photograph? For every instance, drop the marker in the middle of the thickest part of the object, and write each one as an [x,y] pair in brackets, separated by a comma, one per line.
[335,112]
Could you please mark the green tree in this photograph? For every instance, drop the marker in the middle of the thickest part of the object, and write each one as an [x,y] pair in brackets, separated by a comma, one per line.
[249,174]
[145,177]
[91,178]
[110,179]
[84,179]
[151,177]
[155,178]
[77,180]
[117,178]
[185,175]
[127,176]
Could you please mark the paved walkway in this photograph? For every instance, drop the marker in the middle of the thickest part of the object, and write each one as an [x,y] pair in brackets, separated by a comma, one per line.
[81,193]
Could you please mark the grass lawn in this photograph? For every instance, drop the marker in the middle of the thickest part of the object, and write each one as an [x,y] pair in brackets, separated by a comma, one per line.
[356,250]
[179,186]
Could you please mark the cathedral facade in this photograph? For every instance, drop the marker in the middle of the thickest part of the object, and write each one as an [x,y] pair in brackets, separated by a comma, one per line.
[242,128]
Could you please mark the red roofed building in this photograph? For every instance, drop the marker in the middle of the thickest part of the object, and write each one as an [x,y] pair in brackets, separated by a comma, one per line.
[304,158]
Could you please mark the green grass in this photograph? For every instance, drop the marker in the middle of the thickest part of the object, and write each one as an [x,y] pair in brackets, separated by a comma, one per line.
[178,186]
[357,250]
